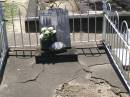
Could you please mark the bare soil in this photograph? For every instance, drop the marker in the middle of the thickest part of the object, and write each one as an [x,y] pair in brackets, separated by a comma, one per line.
[91,88]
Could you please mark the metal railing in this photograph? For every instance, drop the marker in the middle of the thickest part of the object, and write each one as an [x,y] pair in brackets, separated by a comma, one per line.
[3,44]
[83,26]
[116,36]
[19,33]
[3,39]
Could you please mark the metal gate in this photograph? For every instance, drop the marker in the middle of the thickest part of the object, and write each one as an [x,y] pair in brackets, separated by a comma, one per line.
[116,38]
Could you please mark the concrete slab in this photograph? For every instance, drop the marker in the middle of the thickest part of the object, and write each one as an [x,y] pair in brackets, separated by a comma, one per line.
[93,74]
[31,89]
[109,76]
[100,68]
[93,60]
[45,78]
[55,75]
[21,70]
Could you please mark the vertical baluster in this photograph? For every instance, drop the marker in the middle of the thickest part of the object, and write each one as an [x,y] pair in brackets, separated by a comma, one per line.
[88,22]
[12,17]
[73,28]
[95,26]
[21,30]
[29,34]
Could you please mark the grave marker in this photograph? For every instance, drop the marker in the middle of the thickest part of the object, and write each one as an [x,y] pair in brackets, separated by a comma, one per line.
[59,19]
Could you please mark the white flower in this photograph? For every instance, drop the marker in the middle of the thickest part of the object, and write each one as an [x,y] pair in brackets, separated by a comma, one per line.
[41,36]
[43,29]
[54,31]
[47,32]
[50,28]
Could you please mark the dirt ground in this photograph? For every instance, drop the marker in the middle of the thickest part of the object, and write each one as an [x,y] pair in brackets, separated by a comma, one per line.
[86,90]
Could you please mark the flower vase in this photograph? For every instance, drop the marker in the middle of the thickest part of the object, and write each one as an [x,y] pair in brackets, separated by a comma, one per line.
[46,44]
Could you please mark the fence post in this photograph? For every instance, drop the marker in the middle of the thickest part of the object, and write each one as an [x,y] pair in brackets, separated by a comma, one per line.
[104,27]
[3,25]
[0,30]
[3,39]
[104,19]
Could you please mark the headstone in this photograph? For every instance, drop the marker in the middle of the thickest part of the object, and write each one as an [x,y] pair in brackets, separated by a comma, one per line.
[58,18]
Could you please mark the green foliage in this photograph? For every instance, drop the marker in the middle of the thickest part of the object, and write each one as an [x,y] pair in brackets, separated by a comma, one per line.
[110,1]
[10,10]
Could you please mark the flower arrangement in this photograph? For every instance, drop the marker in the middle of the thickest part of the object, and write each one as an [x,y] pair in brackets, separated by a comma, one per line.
[47,37]
[47,33]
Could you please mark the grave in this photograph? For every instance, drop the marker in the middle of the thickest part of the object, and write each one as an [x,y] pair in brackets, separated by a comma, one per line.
[66,55]
[57,18]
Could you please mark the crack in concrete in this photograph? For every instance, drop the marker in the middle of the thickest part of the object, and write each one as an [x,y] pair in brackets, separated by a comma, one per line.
[33,79]
[87,71]
[72,79]
[67,83]
[98,64]
[95,82]
[96,78]
[118,93]
[104,81]
[122,93]
[101,81]
[75,76]
[93,77]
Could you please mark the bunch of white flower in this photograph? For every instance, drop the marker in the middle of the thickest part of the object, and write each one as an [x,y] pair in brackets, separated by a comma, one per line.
[47,32]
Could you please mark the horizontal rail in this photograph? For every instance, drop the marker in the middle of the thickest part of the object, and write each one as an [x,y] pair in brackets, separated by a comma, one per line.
[118,32]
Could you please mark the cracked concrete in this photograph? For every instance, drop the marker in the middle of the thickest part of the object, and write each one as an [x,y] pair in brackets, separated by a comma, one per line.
[21,70]
[88,86]
[91,76]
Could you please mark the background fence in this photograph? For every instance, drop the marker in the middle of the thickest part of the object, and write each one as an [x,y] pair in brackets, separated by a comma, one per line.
[23,30]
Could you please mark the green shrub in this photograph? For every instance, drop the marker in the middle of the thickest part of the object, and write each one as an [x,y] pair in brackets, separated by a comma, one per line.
[10,10]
